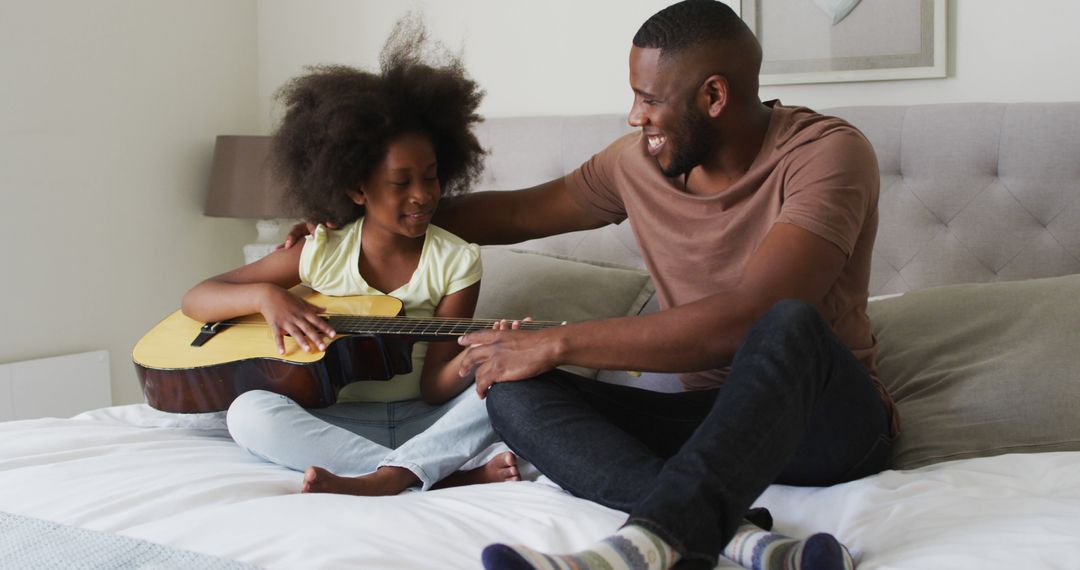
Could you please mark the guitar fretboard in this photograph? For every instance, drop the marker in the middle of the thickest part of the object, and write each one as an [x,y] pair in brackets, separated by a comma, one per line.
[421,328]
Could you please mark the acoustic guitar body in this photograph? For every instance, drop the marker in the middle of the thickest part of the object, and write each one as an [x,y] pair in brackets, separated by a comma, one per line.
[240,356]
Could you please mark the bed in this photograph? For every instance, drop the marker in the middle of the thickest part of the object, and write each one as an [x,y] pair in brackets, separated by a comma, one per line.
[976,308]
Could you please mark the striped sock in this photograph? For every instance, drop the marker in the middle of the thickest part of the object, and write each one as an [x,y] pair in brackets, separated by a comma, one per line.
[758,549]
[631,548]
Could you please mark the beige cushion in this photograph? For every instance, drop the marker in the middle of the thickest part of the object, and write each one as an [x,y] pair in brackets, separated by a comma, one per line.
[982,369]
[517,284]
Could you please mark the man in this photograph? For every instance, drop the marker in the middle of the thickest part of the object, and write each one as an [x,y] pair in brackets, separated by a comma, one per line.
[756,221]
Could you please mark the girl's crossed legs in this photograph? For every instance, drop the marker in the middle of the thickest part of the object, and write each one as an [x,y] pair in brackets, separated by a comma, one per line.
[371,448]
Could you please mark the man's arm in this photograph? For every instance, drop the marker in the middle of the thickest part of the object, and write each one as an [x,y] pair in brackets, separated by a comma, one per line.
[514,216]
[791,263]
[500,217]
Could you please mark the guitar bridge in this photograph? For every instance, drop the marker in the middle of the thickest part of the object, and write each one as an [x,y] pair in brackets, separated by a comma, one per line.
[207,332]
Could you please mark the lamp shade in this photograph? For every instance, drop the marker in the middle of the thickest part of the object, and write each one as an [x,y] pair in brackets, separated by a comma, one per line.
[242,184]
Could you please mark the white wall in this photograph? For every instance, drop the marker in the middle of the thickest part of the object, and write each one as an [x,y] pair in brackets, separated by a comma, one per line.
[108,112]
[999,51]
[532,58]
[569,56]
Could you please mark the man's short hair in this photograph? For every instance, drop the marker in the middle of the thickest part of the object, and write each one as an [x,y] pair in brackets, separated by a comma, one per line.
[687,24]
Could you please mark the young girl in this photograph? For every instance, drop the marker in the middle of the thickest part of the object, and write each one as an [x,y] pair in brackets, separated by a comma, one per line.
[373,154]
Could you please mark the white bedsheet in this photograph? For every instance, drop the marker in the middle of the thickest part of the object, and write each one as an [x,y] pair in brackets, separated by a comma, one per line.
[191,487]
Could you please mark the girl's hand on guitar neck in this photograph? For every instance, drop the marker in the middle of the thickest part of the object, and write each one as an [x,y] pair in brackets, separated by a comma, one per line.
[288,314]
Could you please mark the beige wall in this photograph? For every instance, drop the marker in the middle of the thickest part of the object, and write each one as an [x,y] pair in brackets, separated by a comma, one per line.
[108,112]
[569,56]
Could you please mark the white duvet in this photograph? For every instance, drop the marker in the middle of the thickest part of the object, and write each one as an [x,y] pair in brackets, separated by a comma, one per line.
[180,481]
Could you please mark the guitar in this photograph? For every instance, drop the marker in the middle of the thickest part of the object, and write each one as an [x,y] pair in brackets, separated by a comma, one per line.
[187,366]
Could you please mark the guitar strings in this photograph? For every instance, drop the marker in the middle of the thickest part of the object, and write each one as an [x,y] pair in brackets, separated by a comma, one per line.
[419,325]
[408,325]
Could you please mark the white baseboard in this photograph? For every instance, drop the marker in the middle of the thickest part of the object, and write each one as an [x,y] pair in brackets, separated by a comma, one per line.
[61,386]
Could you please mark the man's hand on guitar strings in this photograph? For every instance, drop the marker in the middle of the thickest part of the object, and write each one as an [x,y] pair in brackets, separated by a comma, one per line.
[505,325]
[503,354]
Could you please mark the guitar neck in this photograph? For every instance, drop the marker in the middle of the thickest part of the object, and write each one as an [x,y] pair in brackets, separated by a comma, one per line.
[420,328]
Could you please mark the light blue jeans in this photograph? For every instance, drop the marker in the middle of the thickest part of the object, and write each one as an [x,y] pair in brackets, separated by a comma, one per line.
[356,438]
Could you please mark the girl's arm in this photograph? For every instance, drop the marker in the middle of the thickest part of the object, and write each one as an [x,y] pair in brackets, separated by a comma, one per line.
[262,287]
[440,381]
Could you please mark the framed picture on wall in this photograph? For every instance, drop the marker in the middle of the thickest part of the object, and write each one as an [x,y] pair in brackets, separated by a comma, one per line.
[824,41]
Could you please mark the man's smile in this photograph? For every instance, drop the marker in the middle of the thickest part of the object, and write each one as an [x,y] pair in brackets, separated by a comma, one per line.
[655,143]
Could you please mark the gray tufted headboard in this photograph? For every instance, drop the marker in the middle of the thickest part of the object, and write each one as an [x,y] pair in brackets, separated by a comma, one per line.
[970,192]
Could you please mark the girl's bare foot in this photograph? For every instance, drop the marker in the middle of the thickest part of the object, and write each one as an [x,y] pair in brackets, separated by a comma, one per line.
[502,467]
[384,481]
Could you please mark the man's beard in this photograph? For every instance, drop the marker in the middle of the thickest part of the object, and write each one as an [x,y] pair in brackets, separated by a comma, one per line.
[693,141]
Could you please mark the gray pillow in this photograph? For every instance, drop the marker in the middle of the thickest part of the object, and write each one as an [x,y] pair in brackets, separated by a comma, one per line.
[519,283]
[982,369]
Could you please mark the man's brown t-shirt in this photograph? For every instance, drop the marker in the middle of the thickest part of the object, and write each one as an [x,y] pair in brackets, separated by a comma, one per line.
[813,171]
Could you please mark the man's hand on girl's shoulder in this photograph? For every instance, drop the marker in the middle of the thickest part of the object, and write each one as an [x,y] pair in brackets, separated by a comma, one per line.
[298,231]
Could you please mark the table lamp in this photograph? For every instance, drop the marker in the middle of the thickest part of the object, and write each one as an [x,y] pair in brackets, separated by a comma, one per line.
[242,185]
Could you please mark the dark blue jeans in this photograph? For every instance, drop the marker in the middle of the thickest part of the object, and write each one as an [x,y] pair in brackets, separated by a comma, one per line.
[797,408]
